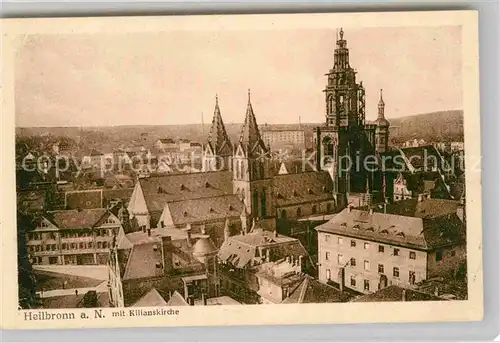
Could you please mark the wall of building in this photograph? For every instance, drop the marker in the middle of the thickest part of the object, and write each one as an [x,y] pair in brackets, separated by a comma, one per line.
[336,245]
[445,261]
[87,246]
[305,209]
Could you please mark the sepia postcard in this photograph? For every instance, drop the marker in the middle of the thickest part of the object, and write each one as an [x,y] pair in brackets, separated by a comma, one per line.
[241,170]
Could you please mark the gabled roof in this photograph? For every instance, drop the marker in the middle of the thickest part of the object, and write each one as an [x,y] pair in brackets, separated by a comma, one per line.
[313,291]
[177,300]
[159,190]
[302,187]
[423,226]
[76,219]
[95,152]
[31,201]
[85,199]
[218,138]
[205,209]
[151,299]
[250,138]
[167,141]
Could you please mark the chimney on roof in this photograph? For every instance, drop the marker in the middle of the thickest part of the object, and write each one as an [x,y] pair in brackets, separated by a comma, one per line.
[420,197]
[166,253]
[403,295]
[149,232]
[371,210]
[275,232]
[268,255]
[187,229]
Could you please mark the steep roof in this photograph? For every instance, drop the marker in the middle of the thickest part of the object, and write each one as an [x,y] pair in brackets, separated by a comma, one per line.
[313,291]
[159,190]
[395,293]
[177,300]
[151,299]
[424,226]
[299,188]
[250,138]
[218,138]
[75,219]
[204,209]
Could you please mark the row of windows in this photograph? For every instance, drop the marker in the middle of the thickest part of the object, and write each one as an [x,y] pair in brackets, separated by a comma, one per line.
[366,286]
[314,210]
[412,255]
[69,246]
[52,235]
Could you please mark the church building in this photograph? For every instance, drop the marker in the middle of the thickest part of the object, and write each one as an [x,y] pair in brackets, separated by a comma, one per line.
[347,140]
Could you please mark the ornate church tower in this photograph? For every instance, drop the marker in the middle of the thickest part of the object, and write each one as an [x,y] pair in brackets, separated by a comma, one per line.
[218,150]
[382,130]
[343,137]
[252,177]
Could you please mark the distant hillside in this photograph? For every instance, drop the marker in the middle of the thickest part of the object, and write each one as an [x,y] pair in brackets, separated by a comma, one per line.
[432,127]
[436,126]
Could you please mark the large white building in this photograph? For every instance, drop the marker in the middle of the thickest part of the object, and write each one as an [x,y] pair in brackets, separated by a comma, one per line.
[413,240]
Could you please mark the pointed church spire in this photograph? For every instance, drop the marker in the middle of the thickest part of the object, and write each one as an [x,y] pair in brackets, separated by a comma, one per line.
[218,138]
[250,135]
[381,102]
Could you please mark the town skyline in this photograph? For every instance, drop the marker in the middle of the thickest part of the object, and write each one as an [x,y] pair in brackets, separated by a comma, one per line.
[108,94]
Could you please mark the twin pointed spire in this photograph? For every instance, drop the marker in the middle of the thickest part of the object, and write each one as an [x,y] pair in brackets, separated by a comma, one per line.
[218,138]
[250,135]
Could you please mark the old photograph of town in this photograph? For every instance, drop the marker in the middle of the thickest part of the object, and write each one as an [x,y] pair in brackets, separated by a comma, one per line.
[240,167]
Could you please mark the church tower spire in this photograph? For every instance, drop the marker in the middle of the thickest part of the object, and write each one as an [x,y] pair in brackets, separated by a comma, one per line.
[381,106]
[218,148]
[251,168]
[250,136]
[382,129]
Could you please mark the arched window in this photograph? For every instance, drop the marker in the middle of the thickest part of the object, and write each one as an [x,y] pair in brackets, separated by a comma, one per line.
[328,146]
[283,214]
[299,212]
[314,209]
[330,104]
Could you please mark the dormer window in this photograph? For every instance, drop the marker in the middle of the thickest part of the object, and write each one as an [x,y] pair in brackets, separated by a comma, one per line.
[280,196]
[211,210]
[400,234]
[183,188]
[160,190]
[231,208]
[158,265]
[207,185]
[295,194]
[355,227]
[384,232]
[370,229]
[310,191]
[185,214]
[343,225]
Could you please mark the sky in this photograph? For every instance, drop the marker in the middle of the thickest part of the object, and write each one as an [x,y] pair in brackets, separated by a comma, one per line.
[171,78]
